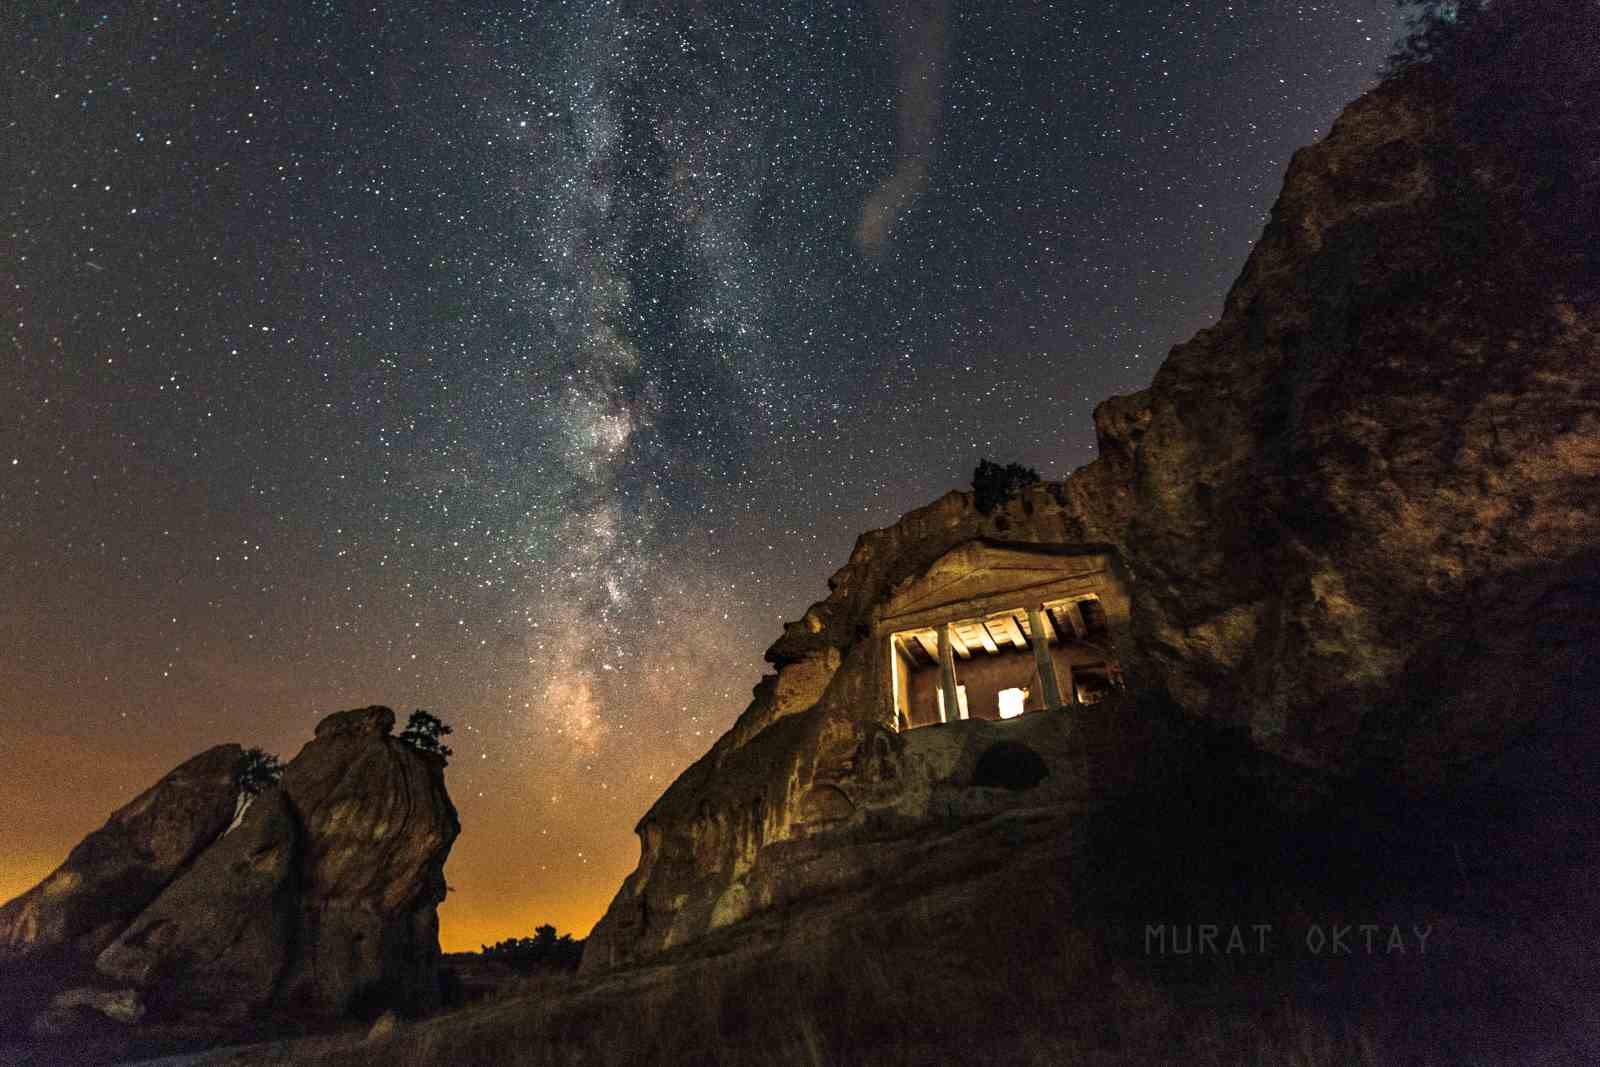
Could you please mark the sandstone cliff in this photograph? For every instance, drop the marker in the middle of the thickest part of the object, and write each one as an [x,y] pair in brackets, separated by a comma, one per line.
[320,901]
[1358,520]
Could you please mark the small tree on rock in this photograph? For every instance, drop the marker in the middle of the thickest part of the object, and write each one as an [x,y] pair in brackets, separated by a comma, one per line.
[993,485]
[423,732]
[258,770]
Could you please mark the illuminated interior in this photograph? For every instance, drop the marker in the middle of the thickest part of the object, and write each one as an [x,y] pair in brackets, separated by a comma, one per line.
[1013,702]
[998,670]
[962,705]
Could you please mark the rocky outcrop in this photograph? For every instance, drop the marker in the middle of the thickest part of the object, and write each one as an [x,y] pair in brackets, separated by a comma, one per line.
[826,772]
[1368,499]
[813,738]
[120,868]
[219,937]
[321,901]
[1358,520]
[318,901]
[378,826]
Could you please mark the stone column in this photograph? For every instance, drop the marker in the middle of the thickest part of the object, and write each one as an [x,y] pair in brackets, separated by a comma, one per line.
[1080,629]
[1042,660]
[947,677]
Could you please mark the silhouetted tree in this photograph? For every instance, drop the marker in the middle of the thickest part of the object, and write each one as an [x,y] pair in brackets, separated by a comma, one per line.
[993,485]
[423,732]
[258,769]
[544,950]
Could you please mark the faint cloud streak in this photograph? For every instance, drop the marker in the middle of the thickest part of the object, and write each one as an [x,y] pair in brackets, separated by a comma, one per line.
[918,34]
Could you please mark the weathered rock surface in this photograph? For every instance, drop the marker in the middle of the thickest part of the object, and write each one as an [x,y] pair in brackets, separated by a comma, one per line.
[1359,520]
[319,902]
[114,872]
[1368,499]
[806,805]
[378,826]
[218,938]
[75,1010]
[322,901]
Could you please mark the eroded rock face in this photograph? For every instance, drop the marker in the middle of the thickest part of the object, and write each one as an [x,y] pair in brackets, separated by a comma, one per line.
[218,938]
[378,827]
[1358,517]
[321,901]
[1368,499]
[114,872]
[724,841]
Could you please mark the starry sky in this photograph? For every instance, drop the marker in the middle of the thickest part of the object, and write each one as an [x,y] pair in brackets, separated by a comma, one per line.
[531,362]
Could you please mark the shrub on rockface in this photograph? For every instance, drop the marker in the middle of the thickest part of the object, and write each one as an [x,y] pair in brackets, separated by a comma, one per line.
[993,485]
[423,732]
[258,770]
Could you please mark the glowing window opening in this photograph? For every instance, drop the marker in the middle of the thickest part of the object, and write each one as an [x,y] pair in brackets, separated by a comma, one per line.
[1012,702]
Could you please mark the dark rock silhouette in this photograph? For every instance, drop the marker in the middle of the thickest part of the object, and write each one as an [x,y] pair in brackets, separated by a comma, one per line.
[120,868]
[1367,499]
[377,827]
[219,938]
[317,902]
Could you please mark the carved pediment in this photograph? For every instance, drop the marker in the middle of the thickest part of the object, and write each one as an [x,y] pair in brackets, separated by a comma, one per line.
[979,571]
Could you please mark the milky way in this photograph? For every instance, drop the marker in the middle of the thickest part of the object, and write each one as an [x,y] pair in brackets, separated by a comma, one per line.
[530,363]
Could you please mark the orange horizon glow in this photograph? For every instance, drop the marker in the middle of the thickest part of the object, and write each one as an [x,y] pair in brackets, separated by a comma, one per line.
[508,873]
[21,873]
[467,927]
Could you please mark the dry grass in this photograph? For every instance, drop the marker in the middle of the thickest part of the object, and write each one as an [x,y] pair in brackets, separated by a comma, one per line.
[851,998]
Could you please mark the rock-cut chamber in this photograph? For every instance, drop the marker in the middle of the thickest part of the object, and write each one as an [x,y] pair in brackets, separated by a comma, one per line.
[992,631]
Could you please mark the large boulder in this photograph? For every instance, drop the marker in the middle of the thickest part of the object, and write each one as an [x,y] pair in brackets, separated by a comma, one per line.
[198,904]
[120,868]
[320,901]
[218,939]
[378,826]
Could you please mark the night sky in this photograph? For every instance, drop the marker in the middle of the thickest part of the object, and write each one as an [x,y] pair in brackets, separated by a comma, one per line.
[530,363]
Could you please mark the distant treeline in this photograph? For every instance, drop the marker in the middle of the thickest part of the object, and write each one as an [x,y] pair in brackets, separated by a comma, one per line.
[543,951]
